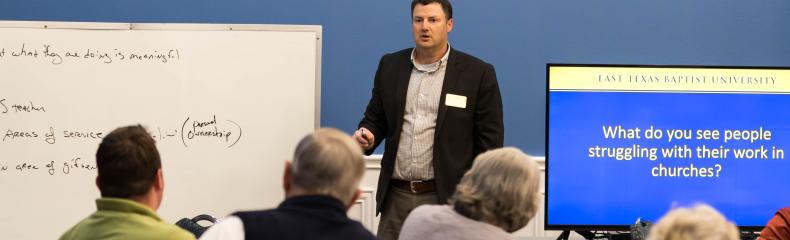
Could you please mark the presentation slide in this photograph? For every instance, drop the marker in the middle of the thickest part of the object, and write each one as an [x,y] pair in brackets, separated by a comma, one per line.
[628,142]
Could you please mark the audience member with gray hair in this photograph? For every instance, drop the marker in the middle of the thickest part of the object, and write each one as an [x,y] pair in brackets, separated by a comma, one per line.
[700,222]
[320,184]
[496,197]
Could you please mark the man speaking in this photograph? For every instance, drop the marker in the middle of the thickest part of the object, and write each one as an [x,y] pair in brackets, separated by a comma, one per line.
[437,108]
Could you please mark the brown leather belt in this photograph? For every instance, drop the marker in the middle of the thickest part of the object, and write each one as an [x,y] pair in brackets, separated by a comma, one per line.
[415,187]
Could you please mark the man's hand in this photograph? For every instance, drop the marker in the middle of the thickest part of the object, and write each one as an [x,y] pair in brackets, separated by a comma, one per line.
[364,138]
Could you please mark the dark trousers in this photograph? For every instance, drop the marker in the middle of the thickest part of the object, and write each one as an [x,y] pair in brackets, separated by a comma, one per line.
[397,206]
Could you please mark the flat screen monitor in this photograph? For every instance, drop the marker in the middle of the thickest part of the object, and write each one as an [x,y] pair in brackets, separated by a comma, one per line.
[625,142]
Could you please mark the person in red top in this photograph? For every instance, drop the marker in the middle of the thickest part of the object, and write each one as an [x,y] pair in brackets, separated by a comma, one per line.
[778,228]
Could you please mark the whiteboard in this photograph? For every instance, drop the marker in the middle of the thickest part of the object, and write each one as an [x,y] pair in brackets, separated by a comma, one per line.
[225,103]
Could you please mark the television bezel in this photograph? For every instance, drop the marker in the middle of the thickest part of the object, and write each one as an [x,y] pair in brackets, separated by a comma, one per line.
[604,227]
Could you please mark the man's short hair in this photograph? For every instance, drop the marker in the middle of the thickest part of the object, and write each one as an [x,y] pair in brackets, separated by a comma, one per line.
[328,162]
[501,189]
[699,222]
[127,161]
[446,6]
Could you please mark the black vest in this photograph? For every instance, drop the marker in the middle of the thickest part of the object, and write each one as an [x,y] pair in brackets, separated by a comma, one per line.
[303,217]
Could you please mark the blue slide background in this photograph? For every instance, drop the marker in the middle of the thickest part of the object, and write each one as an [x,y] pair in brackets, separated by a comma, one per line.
[604,191]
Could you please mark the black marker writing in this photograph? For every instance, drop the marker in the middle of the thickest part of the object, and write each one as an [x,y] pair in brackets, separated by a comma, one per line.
[210,130]
[20,108]
[76,164]
[51,167]
[237,138]
[5,109]
[18,134]
[56,58]
[50,136]
[27,108]
[215,132]
[24,52]
[164,135]
[83,134]
[26,166]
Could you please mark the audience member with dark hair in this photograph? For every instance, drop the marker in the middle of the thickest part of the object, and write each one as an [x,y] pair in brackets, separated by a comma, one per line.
[496,197]
[131,185]
[320,184]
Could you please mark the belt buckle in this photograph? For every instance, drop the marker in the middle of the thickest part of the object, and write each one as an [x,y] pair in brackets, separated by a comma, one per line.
[411,186]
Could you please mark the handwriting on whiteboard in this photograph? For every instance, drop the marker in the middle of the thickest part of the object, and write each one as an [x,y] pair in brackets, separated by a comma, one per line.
[53,55]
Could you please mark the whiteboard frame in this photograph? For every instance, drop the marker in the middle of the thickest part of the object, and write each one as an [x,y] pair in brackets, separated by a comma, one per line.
[317,29]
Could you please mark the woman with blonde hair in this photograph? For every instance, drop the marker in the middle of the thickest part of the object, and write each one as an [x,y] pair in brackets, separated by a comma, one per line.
[700,222]
[496,197]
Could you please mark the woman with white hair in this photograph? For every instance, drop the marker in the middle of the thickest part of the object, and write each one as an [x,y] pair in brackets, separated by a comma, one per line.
[700,222]
[496,197]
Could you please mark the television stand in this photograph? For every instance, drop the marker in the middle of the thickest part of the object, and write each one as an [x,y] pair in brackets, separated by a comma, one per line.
[589,235]
[567,233]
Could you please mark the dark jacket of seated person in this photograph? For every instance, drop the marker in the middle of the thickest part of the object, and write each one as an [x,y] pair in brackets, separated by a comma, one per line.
[320,184]
[301,217]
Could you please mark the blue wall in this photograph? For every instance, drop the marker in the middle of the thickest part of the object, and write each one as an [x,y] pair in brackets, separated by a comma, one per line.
[519,37]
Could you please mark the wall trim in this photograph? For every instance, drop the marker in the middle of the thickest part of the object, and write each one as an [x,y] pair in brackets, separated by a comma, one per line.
[367,205]
[374,162]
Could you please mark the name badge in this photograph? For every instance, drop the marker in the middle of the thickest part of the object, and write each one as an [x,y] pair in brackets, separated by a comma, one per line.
[453,100]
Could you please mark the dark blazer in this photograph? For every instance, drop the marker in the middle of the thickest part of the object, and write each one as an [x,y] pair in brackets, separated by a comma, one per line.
[303,217]
[461,133]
